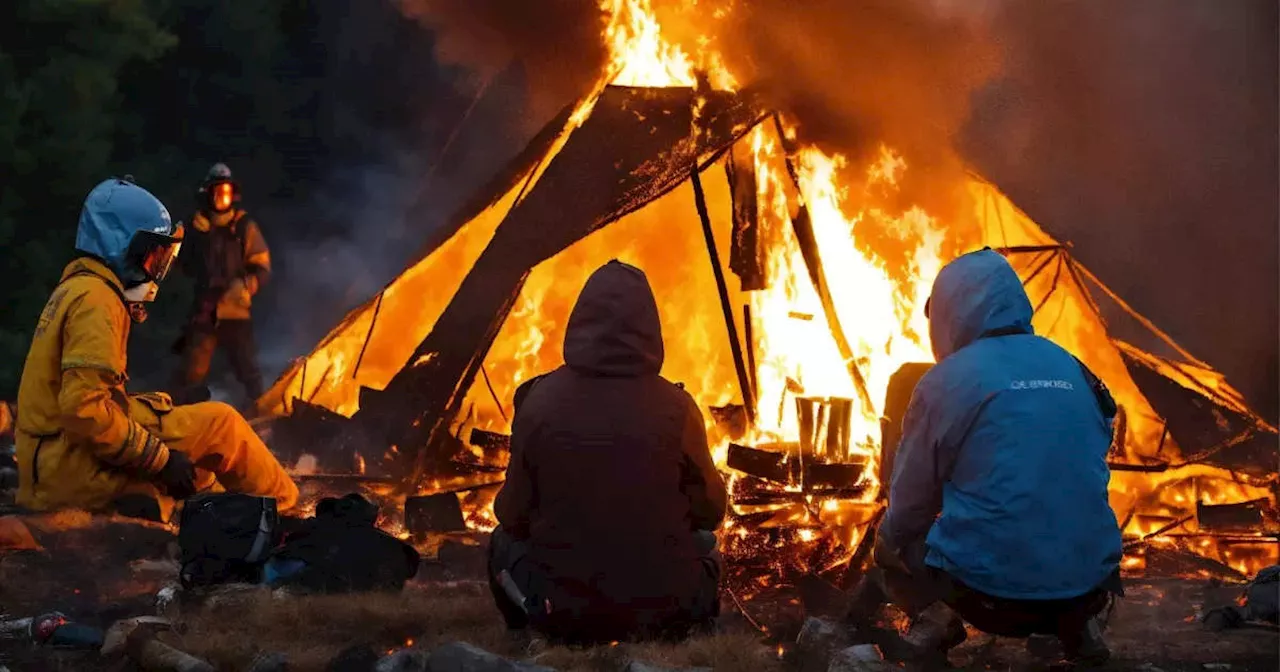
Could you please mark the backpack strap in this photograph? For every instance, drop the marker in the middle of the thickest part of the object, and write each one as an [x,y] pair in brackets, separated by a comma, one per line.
[116,290]
[1106,403]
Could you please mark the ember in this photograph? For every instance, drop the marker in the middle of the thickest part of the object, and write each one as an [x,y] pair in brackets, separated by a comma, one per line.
[824,303]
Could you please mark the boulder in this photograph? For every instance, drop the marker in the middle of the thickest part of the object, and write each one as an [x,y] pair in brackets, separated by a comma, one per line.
[860,658]
[404,660]
[818,640]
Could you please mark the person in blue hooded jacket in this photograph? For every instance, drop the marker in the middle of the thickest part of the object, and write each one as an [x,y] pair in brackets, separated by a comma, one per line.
[998,507]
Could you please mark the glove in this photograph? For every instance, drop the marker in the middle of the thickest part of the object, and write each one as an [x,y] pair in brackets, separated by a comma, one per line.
[888,557]
[239,293]
[178,476]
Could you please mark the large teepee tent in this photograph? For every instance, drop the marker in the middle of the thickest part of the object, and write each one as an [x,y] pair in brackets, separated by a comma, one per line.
[767,293]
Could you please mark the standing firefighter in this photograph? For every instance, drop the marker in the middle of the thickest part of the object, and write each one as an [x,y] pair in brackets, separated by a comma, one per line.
[229,260]
[82,441]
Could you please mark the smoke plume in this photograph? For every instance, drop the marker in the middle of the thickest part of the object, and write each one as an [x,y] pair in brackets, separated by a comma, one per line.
[1145,133]
[558,43]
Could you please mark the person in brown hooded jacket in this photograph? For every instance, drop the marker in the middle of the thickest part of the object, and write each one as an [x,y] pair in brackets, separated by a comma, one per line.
[611,492]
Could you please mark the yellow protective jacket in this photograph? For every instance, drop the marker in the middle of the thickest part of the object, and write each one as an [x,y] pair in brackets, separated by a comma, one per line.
[80,439]
[83,442]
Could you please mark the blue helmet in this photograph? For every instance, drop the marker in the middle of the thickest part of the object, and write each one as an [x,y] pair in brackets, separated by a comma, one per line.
[130,230]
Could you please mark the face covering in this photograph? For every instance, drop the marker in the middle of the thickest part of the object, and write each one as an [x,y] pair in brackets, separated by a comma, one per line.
[137,297]
[143,293]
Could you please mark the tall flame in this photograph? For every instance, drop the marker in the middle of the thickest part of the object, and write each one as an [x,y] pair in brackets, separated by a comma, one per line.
[879,263]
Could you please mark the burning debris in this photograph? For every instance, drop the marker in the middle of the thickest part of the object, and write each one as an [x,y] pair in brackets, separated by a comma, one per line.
[792,352]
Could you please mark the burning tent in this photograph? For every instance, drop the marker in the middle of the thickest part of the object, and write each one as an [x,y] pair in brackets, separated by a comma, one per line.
[789,304]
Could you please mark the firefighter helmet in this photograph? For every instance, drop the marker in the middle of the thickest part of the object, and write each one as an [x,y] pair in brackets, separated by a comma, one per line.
[129,229]
[219,191]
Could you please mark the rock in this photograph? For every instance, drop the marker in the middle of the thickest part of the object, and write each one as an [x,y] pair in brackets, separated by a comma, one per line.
[270,662]
[463,657]
[167,600]
[860,658]
[1044,647]
[1217,667]
[817,641]
[641,666]
[358,658]
[404,660]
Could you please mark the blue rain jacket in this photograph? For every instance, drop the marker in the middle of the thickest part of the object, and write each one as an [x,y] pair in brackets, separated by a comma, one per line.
[1002,462]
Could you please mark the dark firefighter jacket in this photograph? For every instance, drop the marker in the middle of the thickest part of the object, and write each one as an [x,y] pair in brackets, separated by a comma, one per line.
[229,260]
[610,470]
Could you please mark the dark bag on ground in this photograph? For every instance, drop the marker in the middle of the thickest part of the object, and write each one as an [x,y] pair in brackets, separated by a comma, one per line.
[226,538]
[341,550]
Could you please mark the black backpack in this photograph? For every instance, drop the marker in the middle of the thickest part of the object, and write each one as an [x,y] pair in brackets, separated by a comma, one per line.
[341,550]
[226,538]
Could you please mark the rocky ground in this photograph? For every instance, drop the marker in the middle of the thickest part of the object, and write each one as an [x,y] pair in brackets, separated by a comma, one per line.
[100,571]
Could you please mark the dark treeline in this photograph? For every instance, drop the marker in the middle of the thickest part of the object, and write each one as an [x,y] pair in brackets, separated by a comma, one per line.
[328,111]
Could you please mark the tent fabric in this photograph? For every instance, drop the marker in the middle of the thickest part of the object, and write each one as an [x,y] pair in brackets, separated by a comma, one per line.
[628,172]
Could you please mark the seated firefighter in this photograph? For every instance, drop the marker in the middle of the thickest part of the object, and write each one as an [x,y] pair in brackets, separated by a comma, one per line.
[998,510]
[82,441]
[611,496]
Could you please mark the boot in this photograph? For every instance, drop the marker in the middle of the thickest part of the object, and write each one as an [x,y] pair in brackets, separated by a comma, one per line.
[867,599]
[933,633]
[1086,646]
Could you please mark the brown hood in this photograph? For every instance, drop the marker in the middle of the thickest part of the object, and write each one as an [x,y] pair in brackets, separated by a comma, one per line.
[614,328]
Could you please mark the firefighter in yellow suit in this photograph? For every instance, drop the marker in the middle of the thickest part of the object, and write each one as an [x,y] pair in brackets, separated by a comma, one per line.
[82,441]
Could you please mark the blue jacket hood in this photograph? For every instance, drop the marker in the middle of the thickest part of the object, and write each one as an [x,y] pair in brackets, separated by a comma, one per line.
[976,294]
[113,212]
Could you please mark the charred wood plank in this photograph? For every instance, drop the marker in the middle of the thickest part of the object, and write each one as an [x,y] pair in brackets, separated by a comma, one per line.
[746,258]
[488,441]
[765,464]
[1143,468]
[819,476]
[1238,516]
[441,512]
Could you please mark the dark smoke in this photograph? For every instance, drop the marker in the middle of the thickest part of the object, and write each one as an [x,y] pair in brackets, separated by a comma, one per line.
[557,43]
[855,75]
[1145,132]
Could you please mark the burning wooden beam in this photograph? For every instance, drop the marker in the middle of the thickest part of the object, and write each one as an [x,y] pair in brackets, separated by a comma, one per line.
[765,464]
[440,512]
[1238,516]
[745,253]
[735,346]
[820,476]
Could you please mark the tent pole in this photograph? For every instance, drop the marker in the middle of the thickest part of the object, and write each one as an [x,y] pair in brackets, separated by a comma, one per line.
[744,381]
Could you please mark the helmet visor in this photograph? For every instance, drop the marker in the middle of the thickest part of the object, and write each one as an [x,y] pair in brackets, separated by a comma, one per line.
[221,195]
[154,253]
